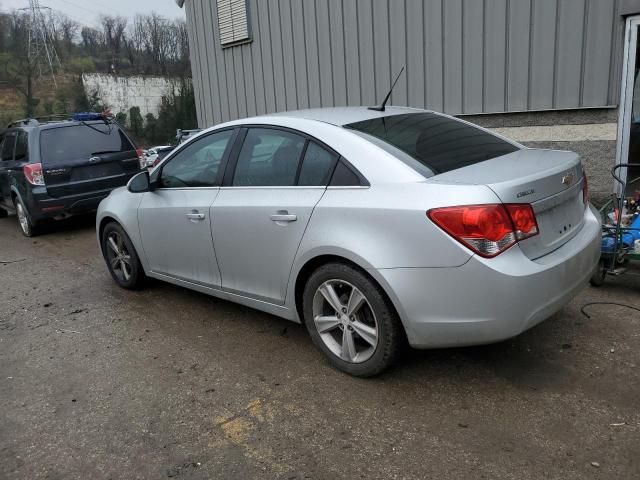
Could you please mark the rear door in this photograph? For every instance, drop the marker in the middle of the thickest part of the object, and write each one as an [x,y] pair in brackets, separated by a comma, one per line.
[81,158]
[261,213]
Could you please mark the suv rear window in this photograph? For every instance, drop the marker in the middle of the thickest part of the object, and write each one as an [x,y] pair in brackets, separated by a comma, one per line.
[82,141]
[440,143]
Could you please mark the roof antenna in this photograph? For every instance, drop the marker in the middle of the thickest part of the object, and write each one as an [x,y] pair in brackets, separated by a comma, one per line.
[381,108]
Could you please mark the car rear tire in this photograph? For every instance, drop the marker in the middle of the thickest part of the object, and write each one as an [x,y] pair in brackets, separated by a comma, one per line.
[351,320]
[3,213]
[599,274]
[27,226]
[121,257]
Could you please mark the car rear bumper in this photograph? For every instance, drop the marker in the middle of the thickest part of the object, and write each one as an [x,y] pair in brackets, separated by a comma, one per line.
[488,300]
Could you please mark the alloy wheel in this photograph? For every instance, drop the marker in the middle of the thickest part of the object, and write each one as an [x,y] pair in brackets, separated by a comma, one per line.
[119,257]
[343,317]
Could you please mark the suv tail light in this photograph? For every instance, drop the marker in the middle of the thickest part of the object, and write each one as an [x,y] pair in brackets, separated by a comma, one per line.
[585,189]
[488,230]
[33,173]
[141,159]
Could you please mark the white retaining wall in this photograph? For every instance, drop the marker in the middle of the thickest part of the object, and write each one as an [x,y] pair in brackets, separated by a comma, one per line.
[122,93]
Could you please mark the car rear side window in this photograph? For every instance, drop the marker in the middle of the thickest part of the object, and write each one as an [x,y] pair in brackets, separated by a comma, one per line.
[440,143]
[22,149]
[317,166]
[63,144]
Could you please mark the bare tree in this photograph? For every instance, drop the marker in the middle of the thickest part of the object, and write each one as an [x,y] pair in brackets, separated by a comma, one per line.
[113,31]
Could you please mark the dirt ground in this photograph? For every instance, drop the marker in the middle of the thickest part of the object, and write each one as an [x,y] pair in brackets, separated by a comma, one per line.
[101,383]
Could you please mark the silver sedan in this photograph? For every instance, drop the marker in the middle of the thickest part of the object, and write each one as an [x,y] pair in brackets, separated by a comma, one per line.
[374,228]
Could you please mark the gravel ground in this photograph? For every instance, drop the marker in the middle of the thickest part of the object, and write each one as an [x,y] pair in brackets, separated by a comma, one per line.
[97,382]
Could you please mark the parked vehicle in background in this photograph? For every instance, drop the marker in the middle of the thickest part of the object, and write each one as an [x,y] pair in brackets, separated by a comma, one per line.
[58,168]
[370,226]
[154,155]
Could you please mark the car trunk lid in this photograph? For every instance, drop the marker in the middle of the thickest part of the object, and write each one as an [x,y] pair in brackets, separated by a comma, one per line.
[85,158]
[551,181]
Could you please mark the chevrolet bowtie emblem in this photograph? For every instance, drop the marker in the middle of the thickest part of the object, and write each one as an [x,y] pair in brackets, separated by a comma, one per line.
[567,179]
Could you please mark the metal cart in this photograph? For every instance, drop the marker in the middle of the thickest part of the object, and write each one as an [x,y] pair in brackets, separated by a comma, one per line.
[618,239]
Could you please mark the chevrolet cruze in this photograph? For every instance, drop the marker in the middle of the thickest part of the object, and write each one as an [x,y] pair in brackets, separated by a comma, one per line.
[374,228]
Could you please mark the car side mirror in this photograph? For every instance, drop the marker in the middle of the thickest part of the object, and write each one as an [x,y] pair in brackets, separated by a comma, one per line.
[140,183]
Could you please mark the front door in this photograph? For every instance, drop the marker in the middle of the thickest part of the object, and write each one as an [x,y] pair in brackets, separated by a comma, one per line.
[175,222]
[260,217]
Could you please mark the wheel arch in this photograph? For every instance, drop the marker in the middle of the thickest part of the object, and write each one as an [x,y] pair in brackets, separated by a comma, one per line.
[104,221]
[312,264]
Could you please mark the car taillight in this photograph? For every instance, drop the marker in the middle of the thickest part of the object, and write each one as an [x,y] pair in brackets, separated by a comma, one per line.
[33,173]
[156,161]
[141,159]
[585,189]
[488,230]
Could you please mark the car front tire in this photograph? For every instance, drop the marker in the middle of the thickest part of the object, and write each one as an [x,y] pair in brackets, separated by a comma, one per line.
[121,257]
[351,320]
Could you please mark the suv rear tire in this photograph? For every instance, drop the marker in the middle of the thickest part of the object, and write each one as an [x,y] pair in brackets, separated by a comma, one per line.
[27,226]
[351,320]
[3,213]
[121,257]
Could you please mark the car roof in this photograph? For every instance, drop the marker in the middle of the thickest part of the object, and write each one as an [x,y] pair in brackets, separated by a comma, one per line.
[341,116]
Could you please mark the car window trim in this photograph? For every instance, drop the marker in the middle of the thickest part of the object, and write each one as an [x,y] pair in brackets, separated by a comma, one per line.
[233,161]
[180,148]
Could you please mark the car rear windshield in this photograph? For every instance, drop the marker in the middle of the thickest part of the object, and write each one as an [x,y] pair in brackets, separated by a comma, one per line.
[437,142]
[58,145]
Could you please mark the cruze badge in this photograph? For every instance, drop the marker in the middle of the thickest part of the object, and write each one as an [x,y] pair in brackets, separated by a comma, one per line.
[567,179]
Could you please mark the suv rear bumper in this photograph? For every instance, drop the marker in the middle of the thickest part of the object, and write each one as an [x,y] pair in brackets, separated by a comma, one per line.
[489,300]
[42,206]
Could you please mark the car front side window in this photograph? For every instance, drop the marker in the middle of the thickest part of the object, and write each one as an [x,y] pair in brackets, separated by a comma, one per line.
[197,165]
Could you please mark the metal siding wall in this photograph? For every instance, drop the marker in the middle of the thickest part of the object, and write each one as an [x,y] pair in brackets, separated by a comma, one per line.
[472,56]
[453,66]
[519,45]
[434,54]
[495,55]
[461,56]
[194,56]
[300,54]
[569,53]
[597,49]
[352,51]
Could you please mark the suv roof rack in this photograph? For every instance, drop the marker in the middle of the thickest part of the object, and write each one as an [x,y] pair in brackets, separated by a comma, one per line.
[59,117]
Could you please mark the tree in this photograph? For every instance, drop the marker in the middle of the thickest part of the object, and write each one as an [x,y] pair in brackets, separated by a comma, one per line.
[136,122]
[121,118]
[113,32]
[16,67]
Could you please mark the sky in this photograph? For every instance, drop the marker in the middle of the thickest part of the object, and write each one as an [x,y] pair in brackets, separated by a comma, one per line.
[88,11]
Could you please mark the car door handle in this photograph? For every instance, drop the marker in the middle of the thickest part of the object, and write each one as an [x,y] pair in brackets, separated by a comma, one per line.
[195,216]
[284,217]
